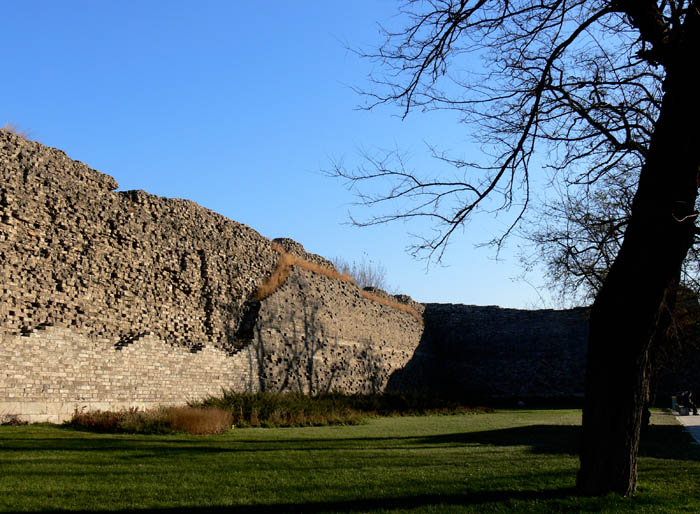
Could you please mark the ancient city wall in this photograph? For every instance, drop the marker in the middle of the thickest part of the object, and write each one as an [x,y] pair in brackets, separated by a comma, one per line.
[116,299]
[124,298]
[491,352]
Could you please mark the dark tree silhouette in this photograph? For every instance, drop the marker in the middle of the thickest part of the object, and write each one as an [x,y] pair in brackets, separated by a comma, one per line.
[577,238]
[600,89]
[577,235]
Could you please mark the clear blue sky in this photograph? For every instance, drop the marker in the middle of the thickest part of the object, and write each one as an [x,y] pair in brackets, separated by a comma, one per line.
[239,106]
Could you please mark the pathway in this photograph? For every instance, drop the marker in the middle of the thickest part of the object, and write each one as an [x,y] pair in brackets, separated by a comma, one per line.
[692,425]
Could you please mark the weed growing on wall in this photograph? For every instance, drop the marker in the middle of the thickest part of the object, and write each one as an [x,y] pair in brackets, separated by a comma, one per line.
[286,261]
[13,129]
[277,278]
[364,274]
[393,304]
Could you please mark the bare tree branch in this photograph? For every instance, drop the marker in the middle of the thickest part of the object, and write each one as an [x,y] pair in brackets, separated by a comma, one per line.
[550,87]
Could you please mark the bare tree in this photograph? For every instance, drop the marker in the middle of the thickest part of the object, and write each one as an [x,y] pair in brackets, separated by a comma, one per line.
[600,89]
[577,236]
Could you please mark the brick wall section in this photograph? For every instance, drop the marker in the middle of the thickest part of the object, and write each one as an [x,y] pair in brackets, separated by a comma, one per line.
[49,373]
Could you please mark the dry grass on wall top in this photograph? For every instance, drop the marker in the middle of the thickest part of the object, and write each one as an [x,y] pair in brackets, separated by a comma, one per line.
[393,304]
[277,278]
[286,261]
[13,129]
[281,272]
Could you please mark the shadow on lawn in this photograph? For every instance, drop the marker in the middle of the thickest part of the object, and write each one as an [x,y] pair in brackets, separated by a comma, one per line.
[370,504]
[660,441]
[554,439]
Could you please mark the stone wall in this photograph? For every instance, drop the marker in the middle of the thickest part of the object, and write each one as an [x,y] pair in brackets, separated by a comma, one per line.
[126,299]
[332,339]
[492,352]
[50,373]
[113,299]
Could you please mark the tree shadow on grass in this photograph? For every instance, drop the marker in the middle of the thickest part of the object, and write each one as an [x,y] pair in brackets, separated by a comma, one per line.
[553,439]
[660,441]
[370,504]
[669,442]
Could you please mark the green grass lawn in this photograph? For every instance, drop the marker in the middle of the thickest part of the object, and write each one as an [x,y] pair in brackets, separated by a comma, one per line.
[507,461]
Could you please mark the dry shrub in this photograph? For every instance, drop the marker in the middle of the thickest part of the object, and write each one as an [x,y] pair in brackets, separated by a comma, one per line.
[163,420]
[199,421]
[364,274]
[286,261]
[101,421]
[13,129]
[254,418]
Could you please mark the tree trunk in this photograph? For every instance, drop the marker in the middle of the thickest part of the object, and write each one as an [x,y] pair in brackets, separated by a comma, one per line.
[663,339]
[626,313]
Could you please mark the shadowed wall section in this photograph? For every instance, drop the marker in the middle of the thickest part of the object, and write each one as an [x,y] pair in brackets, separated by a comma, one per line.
[491,352]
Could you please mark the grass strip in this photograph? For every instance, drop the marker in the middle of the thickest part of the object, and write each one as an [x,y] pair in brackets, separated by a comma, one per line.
[506,461]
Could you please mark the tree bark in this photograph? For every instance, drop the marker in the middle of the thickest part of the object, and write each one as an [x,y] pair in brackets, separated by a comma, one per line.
[626,313]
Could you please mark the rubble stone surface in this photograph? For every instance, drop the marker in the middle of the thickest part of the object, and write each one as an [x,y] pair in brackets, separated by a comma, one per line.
[125,298]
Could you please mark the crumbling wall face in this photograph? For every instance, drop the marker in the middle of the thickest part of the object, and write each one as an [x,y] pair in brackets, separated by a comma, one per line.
[48,374]
[117,264]
[317,334]
[114,299]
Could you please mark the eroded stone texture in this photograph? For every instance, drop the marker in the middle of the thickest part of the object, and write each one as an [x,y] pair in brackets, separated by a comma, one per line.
[117,264]
[148,300]
[333,339]
[292,247]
